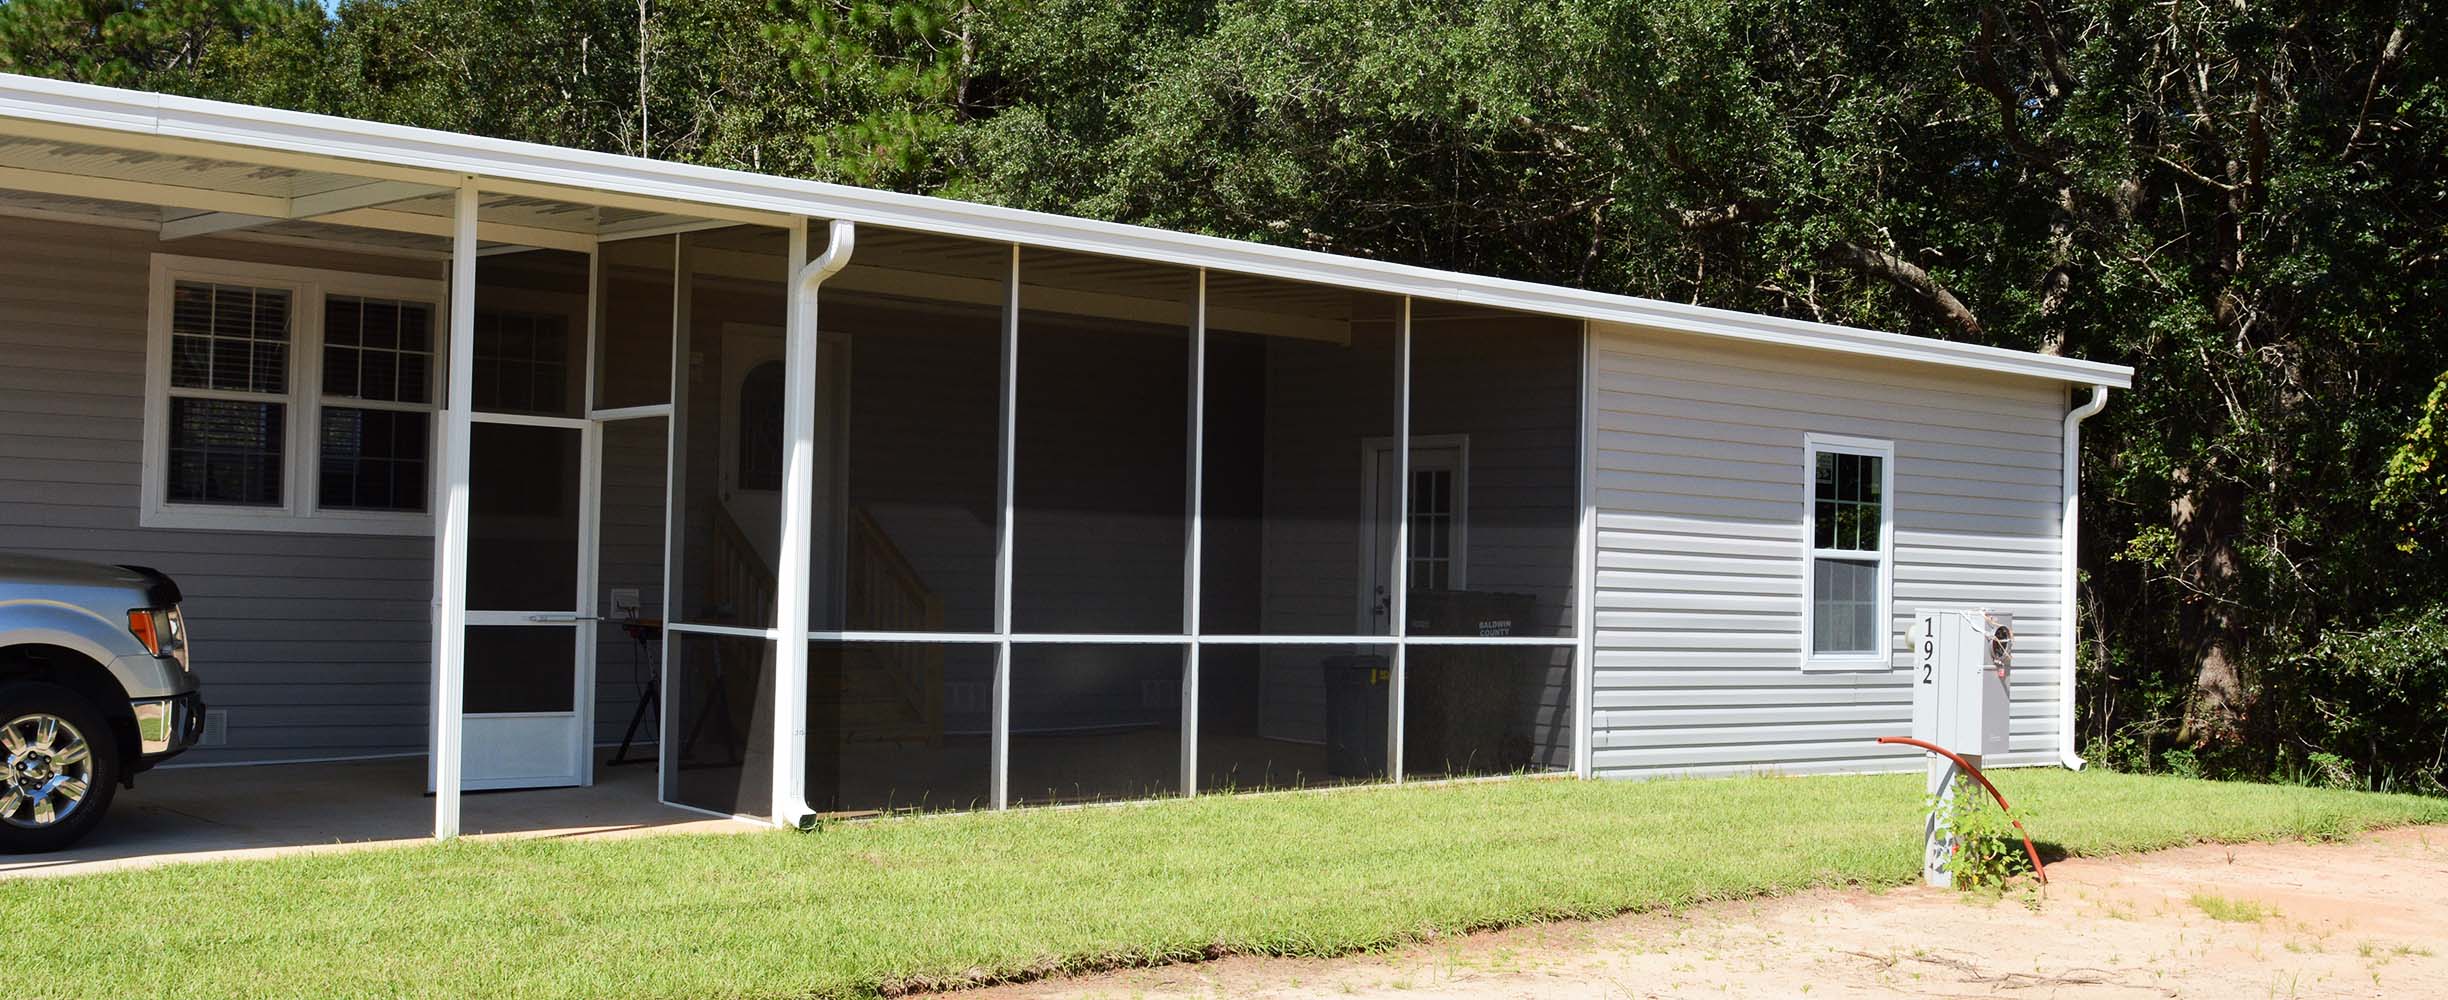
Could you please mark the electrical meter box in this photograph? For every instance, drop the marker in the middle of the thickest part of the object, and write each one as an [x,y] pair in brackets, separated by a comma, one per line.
[1963,659]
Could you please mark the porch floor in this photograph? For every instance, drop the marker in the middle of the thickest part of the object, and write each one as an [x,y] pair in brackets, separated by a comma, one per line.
[211,813]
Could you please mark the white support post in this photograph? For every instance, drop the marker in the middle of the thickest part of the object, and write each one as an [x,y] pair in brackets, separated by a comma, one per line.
[594,326]
[590,532]
[1585,574]
[791,585]
[1192,559]
[1400,600]
[675,535]
[1937,842]
[999,726]
[451,535]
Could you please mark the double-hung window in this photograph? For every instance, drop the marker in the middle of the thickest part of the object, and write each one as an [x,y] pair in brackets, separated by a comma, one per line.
[1849,526]
[289,399]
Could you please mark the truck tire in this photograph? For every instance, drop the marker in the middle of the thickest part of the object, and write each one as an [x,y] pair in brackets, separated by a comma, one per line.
[59,766]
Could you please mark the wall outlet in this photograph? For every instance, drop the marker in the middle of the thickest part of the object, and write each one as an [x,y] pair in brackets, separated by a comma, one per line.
[624,605]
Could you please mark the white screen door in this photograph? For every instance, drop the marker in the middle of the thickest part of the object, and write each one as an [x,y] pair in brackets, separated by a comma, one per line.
[530,677]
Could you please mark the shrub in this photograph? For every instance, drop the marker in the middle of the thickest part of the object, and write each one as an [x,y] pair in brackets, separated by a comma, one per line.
[1988,849]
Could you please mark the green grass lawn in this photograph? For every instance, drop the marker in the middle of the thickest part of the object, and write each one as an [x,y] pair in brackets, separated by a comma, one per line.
[869,907]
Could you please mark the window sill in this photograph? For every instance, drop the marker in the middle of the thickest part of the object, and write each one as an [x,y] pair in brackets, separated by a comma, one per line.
[204,518]
[1848,664]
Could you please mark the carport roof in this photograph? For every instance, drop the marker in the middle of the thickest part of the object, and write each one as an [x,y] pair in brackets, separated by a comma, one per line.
[260,159]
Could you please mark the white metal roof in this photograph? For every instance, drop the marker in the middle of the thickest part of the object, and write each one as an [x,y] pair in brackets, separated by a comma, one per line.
[289,141]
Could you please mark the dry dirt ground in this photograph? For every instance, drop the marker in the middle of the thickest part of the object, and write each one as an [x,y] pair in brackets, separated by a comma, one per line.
[2362,919]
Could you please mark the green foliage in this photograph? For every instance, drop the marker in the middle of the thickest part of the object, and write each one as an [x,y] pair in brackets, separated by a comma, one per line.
[2328,770]
[894,76]
[1988,848]
[2232,911]
[222,48]
[2373,703]
[2414,488]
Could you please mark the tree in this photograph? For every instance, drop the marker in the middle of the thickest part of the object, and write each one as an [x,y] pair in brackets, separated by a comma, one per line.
[202,47]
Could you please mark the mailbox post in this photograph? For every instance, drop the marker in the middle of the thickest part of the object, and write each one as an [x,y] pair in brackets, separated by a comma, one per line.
[1962,658]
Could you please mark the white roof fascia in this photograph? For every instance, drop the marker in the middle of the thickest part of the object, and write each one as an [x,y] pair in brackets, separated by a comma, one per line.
[756,197]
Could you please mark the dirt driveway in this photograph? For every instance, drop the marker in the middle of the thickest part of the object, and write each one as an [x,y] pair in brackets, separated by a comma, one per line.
[2363,919]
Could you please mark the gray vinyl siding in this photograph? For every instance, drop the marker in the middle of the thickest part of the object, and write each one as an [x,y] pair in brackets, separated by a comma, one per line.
[316,644]
[630,554]
[1700,551]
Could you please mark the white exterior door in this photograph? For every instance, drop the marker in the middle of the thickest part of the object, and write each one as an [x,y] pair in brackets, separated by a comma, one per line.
[1440,495]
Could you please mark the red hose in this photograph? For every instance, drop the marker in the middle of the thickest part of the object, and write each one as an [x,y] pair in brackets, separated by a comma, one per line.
[2034,852]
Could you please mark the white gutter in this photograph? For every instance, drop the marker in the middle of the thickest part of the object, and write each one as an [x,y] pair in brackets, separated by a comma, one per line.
[791,587]
[240,133]
[2072,512]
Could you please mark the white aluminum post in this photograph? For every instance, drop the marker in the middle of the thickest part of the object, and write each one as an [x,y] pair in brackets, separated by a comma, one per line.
[594,324]
[582,638]
[1585,574]
[1937,842]
[1400,600]
[791,585]
[999,725]
[675,476]
[1192,559]
[451,536]
[590,531]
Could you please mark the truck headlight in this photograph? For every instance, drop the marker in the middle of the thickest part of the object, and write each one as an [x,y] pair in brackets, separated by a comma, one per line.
[163,631]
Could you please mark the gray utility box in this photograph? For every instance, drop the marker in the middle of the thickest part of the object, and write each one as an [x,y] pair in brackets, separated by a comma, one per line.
[1963,659]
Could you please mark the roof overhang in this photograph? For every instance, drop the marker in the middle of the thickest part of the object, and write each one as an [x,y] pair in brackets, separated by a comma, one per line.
[32,106]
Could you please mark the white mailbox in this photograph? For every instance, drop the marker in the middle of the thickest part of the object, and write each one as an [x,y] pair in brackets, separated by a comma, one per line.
[1962,661]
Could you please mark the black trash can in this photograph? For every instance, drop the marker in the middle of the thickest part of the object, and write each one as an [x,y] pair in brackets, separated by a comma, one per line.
[1357,688]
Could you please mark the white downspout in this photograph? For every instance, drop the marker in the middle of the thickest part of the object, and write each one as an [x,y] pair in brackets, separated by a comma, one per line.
[2071,509]
[791,585]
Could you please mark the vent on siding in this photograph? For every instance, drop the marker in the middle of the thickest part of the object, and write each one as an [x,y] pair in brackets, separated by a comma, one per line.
[216,728]
[1159,694]
[964,696]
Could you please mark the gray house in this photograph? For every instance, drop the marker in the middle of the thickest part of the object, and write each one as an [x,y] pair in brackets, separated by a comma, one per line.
[832,500]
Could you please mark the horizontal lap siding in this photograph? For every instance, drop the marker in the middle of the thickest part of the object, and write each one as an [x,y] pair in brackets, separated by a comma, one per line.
[315,644]
[1698,482]
[630,554]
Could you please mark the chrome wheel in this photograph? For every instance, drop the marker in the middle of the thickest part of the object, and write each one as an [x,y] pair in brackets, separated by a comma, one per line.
[48,770]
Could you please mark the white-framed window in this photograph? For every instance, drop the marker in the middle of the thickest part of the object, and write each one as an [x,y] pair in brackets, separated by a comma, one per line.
[290,399]
[1848,497]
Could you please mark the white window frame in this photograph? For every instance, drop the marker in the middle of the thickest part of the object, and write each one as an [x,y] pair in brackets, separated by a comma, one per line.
[1814,445]
[300,509]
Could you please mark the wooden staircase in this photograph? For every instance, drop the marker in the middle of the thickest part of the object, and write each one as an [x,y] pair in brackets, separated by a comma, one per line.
[889,692]
[864,692]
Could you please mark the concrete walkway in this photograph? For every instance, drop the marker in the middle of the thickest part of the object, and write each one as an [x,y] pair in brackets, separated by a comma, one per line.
[208,813]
